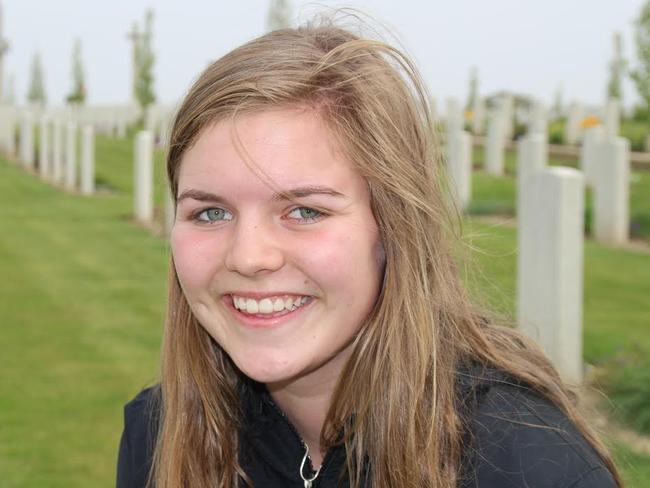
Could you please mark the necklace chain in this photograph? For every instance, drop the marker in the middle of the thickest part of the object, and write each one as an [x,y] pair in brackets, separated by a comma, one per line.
[308,481]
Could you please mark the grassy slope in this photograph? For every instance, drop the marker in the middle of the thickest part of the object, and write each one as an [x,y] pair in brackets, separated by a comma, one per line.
[81,308]
[82,302]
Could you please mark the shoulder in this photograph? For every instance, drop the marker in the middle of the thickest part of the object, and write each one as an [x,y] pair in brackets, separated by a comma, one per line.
[141,417]
[518,438]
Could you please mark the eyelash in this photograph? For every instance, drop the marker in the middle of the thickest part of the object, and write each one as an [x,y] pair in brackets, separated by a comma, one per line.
[308,220]
[196,215]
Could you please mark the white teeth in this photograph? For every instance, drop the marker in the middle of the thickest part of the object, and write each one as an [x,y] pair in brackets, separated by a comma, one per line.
[268,305]
[252,306]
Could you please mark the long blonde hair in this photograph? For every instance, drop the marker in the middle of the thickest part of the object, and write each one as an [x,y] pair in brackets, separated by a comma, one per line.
[396,403]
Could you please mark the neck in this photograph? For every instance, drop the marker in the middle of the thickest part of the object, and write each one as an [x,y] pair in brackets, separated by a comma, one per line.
[306,409]
[306,402]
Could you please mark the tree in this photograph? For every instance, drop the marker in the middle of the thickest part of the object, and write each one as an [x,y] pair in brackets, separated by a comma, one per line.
[473,89]
[36,91]
[616,70]
[641,75]
[145,58]
[78,93]
[279,15]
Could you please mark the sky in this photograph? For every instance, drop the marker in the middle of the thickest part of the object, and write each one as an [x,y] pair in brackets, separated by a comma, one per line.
[527,46]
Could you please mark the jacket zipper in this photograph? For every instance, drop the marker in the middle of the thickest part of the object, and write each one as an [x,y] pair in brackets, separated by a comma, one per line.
[303,445]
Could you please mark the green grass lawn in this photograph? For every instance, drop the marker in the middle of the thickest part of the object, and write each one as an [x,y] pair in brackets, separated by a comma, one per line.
[616,289]
[81,313]
[82,308]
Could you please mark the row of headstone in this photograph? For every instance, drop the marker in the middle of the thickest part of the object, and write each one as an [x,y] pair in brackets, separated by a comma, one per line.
[459,146]
[112,120]
[550,222]
[499,119]
[550,214]
[108,120]
[604,161]
[478,114]
[57,130]
[57,160]
[55,154]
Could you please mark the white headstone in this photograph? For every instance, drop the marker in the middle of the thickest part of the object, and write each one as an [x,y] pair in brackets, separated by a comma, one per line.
[478,116]
[71,155]
[44,148]
[532,156]
[459,167]
[87,160]
[494,145]
[612,191]
[549,303]
[589,151]
[143,187]
[11,132]
[531,159]
[572,126]
[508,114]
[454,117]
[612,118]
[8,125]
[57,151]
[538,120]
[27,140]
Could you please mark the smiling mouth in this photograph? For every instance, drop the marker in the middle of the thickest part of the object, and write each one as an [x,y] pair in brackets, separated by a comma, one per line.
[269,307]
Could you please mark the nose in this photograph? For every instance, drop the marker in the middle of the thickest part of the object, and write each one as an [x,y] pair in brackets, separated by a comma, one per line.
[253,249]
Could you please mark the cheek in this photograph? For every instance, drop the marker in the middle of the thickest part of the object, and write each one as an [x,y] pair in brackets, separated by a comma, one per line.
[342,260]
[196,254]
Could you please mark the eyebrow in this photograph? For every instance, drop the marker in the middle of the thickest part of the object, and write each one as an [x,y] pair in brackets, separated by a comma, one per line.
[292,194]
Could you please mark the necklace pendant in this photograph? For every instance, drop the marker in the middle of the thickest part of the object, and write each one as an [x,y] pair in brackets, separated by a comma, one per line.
[307,483]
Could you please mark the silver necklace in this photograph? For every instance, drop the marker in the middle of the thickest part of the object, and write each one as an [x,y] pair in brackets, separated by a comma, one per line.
[308,482]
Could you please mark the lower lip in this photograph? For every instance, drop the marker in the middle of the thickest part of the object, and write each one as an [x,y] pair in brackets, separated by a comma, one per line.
[260,321]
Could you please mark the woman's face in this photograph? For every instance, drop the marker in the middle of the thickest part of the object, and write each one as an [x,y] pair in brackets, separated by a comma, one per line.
[283,285]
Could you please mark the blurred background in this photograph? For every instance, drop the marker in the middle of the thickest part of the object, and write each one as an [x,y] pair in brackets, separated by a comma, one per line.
[88,91]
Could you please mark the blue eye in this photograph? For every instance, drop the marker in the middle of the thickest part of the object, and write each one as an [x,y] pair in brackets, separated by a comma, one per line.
[213,215]
[305,214]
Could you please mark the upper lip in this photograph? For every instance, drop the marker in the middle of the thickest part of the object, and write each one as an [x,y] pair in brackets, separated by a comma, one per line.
[258,295]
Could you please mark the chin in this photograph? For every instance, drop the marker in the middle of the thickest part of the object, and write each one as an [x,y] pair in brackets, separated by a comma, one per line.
[267,371]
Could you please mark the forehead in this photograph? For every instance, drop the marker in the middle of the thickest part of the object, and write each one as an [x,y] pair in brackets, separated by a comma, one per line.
[289,146]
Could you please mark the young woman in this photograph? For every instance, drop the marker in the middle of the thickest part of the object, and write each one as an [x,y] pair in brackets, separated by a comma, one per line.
[318,333]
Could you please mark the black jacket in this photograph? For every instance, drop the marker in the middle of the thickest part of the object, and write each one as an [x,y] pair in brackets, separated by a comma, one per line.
[515,439]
